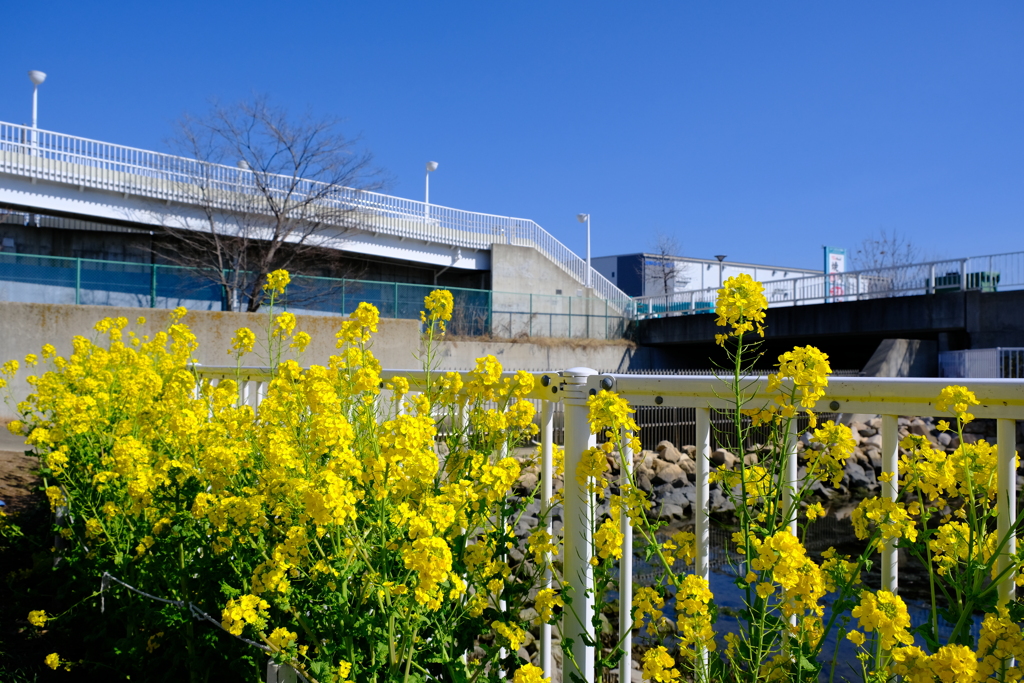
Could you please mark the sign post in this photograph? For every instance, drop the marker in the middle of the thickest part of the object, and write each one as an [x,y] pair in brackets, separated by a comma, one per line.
[835,266]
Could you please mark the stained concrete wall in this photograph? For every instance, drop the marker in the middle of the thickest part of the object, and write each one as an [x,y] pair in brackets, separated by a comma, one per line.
[904,358]
[26,327]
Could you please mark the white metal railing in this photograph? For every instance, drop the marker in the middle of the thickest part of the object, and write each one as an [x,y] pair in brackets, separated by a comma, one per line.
[46,155]
[974,273]
[1002,400]
[1002,362]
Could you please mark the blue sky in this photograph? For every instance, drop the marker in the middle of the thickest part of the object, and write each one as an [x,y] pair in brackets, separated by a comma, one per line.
[758,130]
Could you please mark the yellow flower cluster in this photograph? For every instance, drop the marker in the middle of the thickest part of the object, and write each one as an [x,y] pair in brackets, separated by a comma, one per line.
[529,674]
[829,463]
[782,560]
[693,626]
[807,368]
[885,614]
[439,304]
[892,519]
[957,400]
[741,304]
[276,282]
[659,666]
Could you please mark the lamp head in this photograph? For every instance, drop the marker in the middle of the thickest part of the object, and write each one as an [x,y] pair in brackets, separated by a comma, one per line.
[37,76]
[720,257]
[244,165]
[431,166]
[582,217]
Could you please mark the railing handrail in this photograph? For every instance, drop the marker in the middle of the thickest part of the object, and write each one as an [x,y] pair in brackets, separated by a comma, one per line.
[877,274]
[41,141]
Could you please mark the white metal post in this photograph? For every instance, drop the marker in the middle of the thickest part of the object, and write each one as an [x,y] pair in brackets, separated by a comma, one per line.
[702,529]
[547,432]
[1006,483]
[890,465]
[626,568]
[578,530]
[789,480]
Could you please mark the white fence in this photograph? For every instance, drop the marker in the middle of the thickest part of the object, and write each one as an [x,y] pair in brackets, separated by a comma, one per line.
[975,273]
[1000,362]
[84,163]
[1002,400]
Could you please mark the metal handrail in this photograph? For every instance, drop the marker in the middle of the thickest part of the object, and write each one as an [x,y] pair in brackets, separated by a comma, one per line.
[47,155]
[1002,400]
[985,273]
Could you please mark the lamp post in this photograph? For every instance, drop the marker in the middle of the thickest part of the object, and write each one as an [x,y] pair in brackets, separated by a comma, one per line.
[585,218]
[37,78]
[431,166]
[720,257]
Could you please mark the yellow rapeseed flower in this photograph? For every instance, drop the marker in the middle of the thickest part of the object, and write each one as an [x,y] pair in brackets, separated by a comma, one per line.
[741,304]
[277,281]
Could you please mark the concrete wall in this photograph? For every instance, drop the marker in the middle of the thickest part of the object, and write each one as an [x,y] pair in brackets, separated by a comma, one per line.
[26,327]
[904,358]
[537,357]
[526,270]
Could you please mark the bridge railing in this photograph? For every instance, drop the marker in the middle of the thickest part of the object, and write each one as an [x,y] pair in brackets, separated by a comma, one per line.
[1002,400]
[46,155]
[976,273]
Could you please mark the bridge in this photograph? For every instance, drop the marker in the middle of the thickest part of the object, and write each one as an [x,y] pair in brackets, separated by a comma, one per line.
[850,331]
[45,171]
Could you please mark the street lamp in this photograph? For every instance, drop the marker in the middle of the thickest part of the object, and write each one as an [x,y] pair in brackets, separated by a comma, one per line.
[720,257]
[431,166]
[37,78]
[585,218]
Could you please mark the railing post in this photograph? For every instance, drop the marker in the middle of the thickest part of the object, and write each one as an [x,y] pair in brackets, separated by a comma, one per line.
[78,281]
[789,480]
[578,530]
[626,568]
[963,275]
[152,287]
[396,301]
[890,465]
[1006,503]
[931,279]
[547,434]
[702,528]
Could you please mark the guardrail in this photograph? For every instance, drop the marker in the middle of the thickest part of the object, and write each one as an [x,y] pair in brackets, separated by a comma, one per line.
[1002,400]
[46,155]
[976,273]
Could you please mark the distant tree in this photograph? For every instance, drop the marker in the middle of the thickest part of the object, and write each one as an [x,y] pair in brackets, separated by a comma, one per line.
[275,193]
[887,254]
[664,274]
[885,250]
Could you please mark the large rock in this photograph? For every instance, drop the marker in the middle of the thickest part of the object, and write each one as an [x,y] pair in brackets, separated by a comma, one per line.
[721,457]
[669,512]
[686,464]
[668,452]
[668,473]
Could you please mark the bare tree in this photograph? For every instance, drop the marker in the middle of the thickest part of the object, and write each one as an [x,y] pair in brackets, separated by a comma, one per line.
[885,250]
[664,273]
[887,257]
[273,192]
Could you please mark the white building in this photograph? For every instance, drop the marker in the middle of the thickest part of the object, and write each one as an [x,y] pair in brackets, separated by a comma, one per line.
[654,274]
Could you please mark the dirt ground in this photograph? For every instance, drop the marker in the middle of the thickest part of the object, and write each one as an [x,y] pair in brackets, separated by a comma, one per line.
[18,482]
